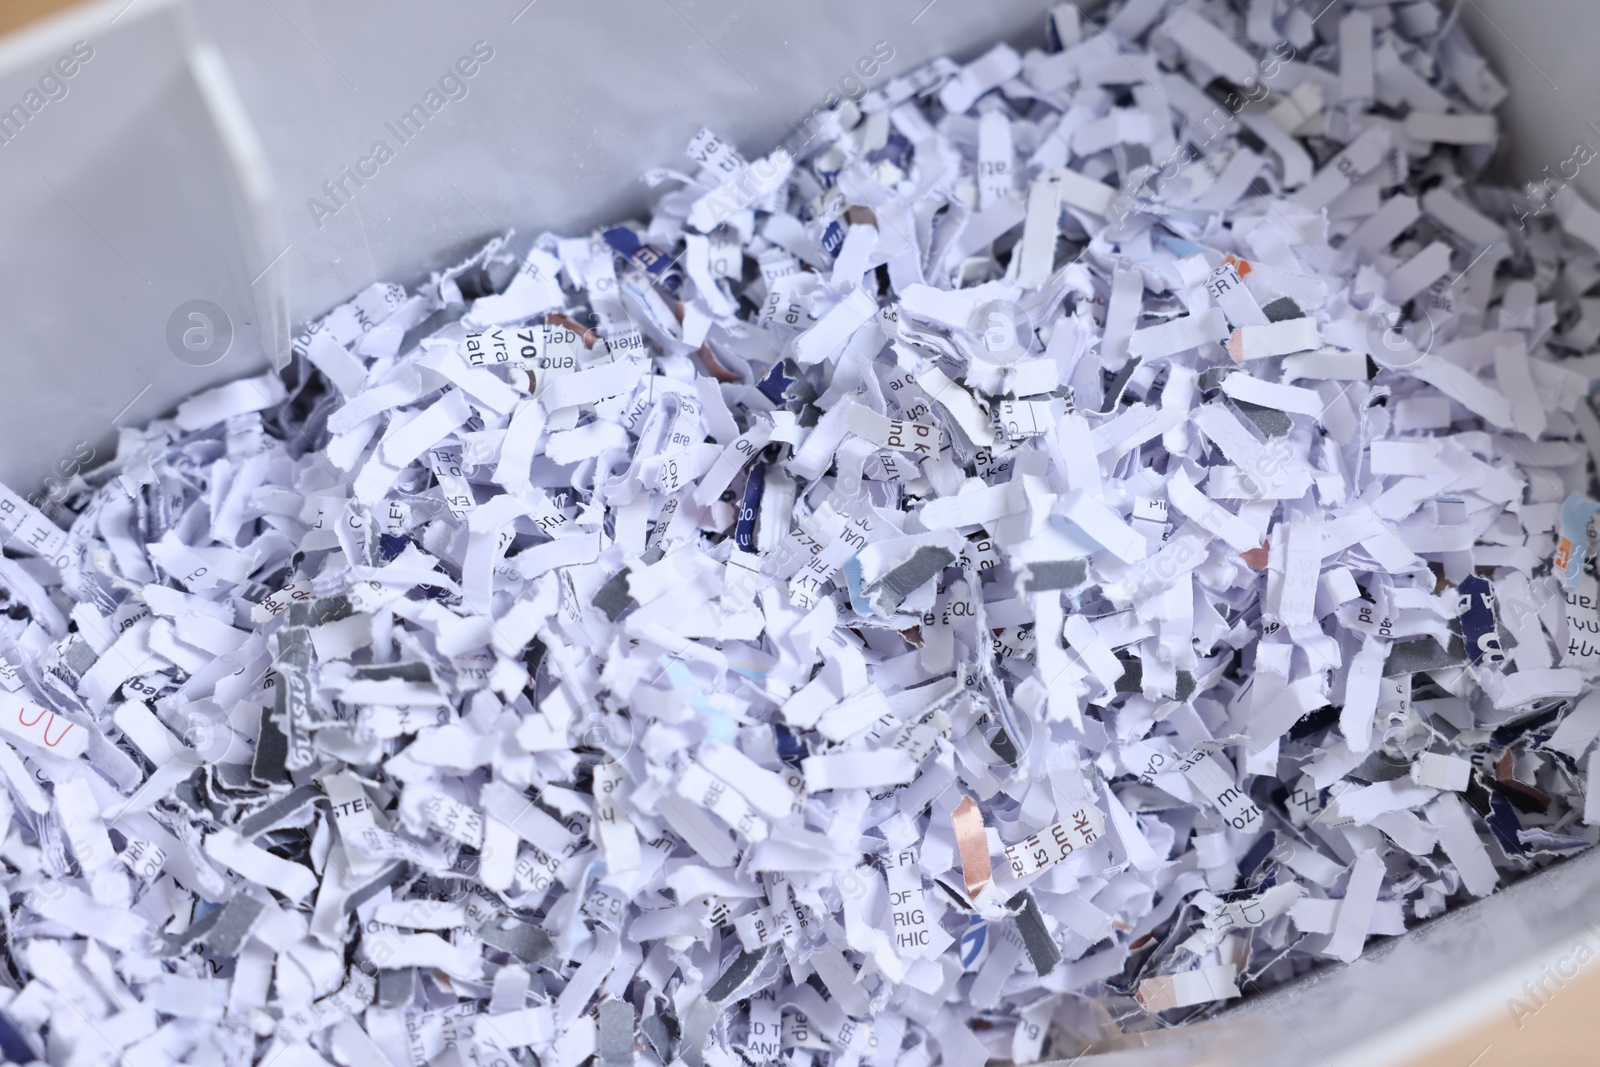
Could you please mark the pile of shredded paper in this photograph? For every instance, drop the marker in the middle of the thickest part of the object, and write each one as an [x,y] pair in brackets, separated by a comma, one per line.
[1072,538]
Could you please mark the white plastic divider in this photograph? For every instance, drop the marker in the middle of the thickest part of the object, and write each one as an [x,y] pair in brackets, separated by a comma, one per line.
[117,214]
[256,209]
[1405,995]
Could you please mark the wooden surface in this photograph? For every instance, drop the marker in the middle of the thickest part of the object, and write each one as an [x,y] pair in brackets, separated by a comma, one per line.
[1563,1030]
[14,14]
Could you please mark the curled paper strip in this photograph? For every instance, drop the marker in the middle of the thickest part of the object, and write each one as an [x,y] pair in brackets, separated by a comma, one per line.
[1187,989]
[972,839]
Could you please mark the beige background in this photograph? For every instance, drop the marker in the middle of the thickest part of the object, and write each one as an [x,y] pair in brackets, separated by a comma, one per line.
[15,13]
[1562,1032]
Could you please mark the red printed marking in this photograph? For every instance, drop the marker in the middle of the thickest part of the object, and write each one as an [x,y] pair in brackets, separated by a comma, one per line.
[63,735]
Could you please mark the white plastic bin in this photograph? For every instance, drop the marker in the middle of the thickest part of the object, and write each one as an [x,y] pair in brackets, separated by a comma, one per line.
[184,157]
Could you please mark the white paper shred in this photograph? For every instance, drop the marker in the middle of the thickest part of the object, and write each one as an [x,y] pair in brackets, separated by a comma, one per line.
[1100,525]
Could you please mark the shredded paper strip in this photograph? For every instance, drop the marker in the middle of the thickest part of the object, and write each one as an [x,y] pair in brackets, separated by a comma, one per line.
[1087,534]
